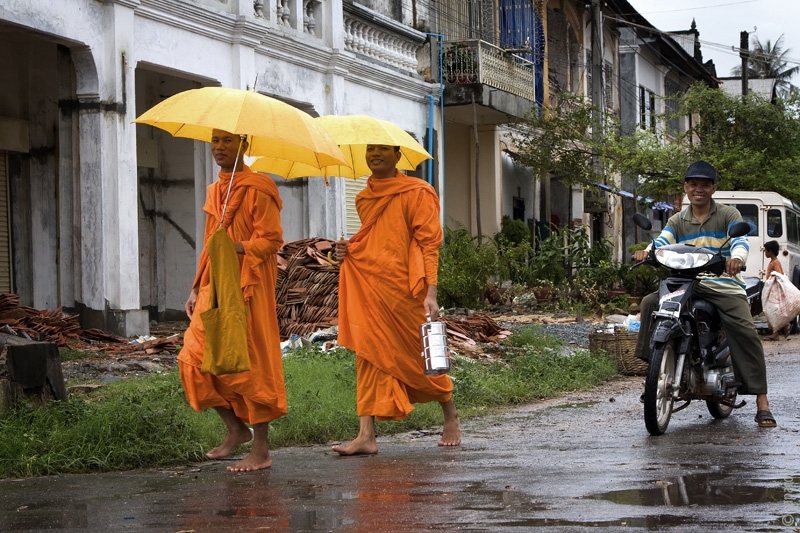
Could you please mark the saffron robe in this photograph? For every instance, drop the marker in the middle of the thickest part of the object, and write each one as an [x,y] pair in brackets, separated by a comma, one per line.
[382,285]
[252,218]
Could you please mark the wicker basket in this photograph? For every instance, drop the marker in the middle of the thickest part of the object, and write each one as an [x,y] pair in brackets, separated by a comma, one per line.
[620,347]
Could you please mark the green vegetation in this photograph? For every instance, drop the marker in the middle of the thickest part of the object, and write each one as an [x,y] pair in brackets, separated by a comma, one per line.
[465,268]
[563,270]
[146,422]
[752,142]
[69,354]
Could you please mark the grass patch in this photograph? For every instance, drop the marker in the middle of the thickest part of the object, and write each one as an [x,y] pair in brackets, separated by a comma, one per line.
[146,422]
[69,354]
[132,423]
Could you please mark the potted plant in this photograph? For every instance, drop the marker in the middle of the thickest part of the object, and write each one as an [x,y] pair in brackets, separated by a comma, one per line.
[460,64]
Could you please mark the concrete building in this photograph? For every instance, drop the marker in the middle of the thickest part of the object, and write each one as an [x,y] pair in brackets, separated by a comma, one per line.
[104,216]
[655,67]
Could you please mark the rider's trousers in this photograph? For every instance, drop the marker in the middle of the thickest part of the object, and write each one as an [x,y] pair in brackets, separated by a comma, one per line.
[747,352]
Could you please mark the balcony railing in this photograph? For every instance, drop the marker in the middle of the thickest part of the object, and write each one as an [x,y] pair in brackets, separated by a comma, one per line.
[476,61]
[378,42]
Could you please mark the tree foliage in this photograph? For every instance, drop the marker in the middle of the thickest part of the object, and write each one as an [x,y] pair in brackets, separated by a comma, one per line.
[770,61]
[753,143]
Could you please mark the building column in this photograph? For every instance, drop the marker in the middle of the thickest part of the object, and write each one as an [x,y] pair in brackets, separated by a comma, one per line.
[108,183]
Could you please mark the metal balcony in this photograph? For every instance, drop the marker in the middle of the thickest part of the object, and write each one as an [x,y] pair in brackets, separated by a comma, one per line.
[476,61]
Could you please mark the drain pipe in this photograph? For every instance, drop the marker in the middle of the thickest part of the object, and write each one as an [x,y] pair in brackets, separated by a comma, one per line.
[431,107]
[440,38]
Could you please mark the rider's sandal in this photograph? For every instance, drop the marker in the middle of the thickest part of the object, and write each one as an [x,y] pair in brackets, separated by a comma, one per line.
[764,419]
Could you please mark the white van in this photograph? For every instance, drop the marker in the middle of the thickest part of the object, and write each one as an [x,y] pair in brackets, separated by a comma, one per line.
[772,217]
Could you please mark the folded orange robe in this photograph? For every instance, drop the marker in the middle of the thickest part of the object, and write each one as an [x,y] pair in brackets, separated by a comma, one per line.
[252,218]
[383,282]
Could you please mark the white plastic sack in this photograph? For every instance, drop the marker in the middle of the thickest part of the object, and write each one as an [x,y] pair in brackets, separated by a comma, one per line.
[781,301]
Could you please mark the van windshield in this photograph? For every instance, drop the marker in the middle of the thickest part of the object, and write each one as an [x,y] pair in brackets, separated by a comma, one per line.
[750,215]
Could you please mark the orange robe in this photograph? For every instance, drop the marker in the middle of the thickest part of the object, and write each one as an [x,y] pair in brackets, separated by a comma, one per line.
[383,282]
[252,218]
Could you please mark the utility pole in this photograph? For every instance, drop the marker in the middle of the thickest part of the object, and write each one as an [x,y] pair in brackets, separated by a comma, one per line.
[477,172]
[597,80]
[597,98]
[744,53]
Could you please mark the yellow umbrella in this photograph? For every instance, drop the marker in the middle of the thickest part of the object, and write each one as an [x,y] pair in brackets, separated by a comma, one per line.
[292,169]
[273,128]
[353,133]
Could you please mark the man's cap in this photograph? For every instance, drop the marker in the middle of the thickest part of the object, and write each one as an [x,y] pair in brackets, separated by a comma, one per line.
[701,169]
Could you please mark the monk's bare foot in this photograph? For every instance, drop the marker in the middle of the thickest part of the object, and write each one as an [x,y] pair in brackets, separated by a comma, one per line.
[358,447]
[451,435]
[254,461]
[232,440]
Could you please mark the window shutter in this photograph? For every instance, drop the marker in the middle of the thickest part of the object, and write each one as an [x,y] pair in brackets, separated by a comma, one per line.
[6,272]
[352,188]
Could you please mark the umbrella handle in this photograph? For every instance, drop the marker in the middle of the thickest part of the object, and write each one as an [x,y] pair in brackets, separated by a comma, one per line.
[242,138]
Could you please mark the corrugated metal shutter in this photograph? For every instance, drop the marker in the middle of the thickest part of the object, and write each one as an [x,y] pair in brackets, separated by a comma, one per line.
[352,188]
[6,274]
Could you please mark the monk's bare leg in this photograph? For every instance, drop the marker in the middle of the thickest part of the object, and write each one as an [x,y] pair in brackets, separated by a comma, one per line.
[451,434]
[258,458]
[238,433]
[364,443]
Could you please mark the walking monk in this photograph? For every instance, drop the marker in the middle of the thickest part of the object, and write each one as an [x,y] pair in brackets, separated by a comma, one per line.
[252,220]
[387,287]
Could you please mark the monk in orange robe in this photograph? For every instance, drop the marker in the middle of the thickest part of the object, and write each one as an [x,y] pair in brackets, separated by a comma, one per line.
[387,289]
[257,396]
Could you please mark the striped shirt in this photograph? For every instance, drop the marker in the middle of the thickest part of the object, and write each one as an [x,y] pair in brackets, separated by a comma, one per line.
[711,233]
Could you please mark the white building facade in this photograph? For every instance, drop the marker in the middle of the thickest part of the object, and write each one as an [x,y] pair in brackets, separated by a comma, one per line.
[104,216]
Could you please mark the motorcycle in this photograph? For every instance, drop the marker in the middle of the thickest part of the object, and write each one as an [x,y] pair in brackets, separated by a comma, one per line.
[689,353]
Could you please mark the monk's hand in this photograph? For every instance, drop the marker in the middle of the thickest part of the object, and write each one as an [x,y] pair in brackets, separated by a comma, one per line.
[189,307]
[733,266]
[430,303]
[340,250]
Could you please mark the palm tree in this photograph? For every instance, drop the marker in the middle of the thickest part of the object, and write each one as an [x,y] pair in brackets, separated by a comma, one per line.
[769,60]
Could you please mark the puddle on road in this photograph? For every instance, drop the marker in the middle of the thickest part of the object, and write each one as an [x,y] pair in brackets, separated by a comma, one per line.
[648,522]
[645,522]
[706,490]
[576,405]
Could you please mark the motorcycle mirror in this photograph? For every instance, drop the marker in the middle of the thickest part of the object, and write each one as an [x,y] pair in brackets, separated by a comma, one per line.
[644,222]
[738,230]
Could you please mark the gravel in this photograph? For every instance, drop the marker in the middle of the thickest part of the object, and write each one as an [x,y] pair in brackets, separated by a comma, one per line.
[571,333]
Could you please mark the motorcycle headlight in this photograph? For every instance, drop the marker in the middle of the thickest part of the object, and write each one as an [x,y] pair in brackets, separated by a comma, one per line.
[682,261]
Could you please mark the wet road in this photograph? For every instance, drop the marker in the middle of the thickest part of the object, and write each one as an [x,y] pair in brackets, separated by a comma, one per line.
[582,462]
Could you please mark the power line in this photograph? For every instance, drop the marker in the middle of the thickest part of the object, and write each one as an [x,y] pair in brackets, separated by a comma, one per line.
[701,7]
[722,47]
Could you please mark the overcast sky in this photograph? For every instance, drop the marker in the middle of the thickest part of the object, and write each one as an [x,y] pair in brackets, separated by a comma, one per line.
[721,21]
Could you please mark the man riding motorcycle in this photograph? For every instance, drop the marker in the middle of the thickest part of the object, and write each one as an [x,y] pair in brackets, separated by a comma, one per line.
[705,223]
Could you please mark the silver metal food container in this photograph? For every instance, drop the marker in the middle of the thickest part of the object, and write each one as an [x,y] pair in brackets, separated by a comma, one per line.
[435,350]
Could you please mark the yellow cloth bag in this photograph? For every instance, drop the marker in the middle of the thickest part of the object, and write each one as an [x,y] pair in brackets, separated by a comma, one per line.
[225,321]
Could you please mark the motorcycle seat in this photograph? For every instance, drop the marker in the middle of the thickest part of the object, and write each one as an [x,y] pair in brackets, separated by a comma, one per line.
[752,286]
[752,289]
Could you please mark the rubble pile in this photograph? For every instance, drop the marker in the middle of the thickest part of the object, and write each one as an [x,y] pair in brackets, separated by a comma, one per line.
[65,330]
[307,290]
[474,328]
[33,324]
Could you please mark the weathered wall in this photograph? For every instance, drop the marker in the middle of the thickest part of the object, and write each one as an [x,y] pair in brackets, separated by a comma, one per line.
[32,94]
[96,232]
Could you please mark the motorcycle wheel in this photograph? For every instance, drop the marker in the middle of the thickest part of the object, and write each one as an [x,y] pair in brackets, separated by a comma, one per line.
[719,411]
[658,386]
